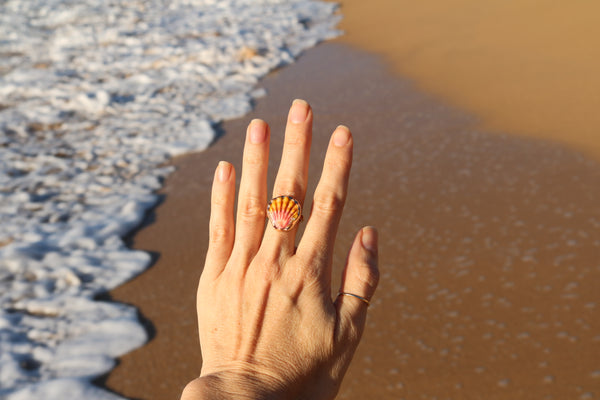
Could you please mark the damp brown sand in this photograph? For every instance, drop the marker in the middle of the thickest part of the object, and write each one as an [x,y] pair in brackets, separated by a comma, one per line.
[522,66]
[490,246]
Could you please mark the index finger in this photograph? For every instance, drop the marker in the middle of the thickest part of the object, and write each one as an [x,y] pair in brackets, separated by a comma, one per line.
[328,202]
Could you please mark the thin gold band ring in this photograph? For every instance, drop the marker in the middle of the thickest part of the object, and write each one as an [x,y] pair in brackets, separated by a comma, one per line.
[364,300]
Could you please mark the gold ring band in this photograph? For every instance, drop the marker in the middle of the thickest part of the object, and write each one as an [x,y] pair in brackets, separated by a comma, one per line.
[284,212]
[364,300]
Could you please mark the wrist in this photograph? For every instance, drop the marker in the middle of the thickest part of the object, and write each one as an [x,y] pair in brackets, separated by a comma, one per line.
[230,387]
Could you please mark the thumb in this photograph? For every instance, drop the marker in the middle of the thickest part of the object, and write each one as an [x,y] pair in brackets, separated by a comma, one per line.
[359,281]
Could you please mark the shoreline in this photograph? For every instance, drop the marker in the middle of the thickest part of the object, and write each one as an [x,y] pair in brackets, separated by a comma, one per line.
[489,244]
[95,99]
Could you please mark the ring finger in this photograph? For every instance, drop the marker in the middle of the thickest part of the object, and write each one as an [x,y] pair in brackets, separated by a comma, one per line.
[293,172]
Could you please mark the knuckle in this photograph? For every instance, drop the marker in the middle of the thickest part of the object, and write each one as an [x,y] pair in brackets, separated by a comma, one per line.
[288,186]
[253,159]
[220,200]
[220,233]
[270,273]
[296,139]
[267,269]
[337,163]
[368,276]
[312,275]
[251,209]
[306,273]
[327,201]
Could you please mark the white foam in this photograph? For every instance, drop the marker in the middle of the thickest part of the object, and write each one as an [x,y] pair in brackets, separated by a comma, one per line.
[94,97]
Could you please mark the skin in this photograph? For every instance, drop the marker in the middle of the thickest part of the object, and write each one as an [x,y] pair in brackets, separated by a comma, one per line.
[269,328]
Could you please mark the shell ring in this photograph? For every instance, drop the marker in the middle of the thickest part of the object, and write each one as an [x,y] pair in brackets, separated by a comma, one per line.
[284,212]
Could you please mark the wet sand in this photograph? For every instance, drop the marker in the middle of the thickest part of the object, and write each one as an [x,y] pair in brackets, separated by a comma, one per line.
[523,66]
[490,245]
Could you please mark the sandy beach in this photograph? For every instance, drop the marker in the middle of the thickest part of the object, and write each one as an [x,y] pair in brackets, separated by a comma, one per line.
[487,206]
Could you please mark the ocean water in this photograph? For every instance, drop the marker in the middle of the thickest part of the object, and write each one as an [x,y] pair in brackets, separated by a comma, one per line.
[95,96]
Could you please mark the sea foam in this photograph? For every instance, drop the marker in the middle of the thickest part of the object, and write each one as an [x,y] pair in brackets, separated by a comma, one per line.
[94,97]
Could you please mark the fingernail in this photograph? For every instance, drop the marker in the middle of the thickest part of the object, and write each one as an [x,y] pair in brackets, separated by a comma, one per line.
[258,131]
[341,136]
[223,171]
[299,111]
[369,239]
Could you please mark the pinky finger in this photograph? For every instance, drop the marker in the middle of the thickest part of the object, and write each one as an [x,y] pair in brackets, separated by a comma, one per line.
[221,226]
[359,281]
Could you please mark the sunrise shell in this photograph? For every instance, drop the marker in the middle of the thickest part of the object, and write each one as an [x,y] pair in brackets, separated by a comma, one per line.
[284,212]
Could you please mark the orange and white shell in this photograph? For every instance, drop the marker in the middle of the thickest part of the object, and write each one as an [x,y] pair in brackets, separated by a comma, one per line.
[284,212]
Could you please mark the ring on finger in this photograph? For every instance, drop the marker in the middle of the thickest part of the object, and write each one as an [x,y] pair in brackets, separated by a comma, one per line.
[284,212]
[364,300]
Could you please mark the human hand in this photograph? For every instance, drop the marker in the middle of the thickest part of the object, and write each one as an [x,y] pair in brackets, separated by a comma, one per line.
[269,328]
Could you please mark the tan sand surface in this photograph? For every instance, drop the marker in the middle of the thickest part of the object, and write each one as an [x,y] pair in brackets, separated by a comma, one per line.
[523,66]
[490,246]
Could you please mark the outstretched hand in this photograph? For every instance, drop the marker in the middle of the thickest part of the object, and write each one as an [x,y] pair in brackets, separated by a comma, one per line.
[269,327]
